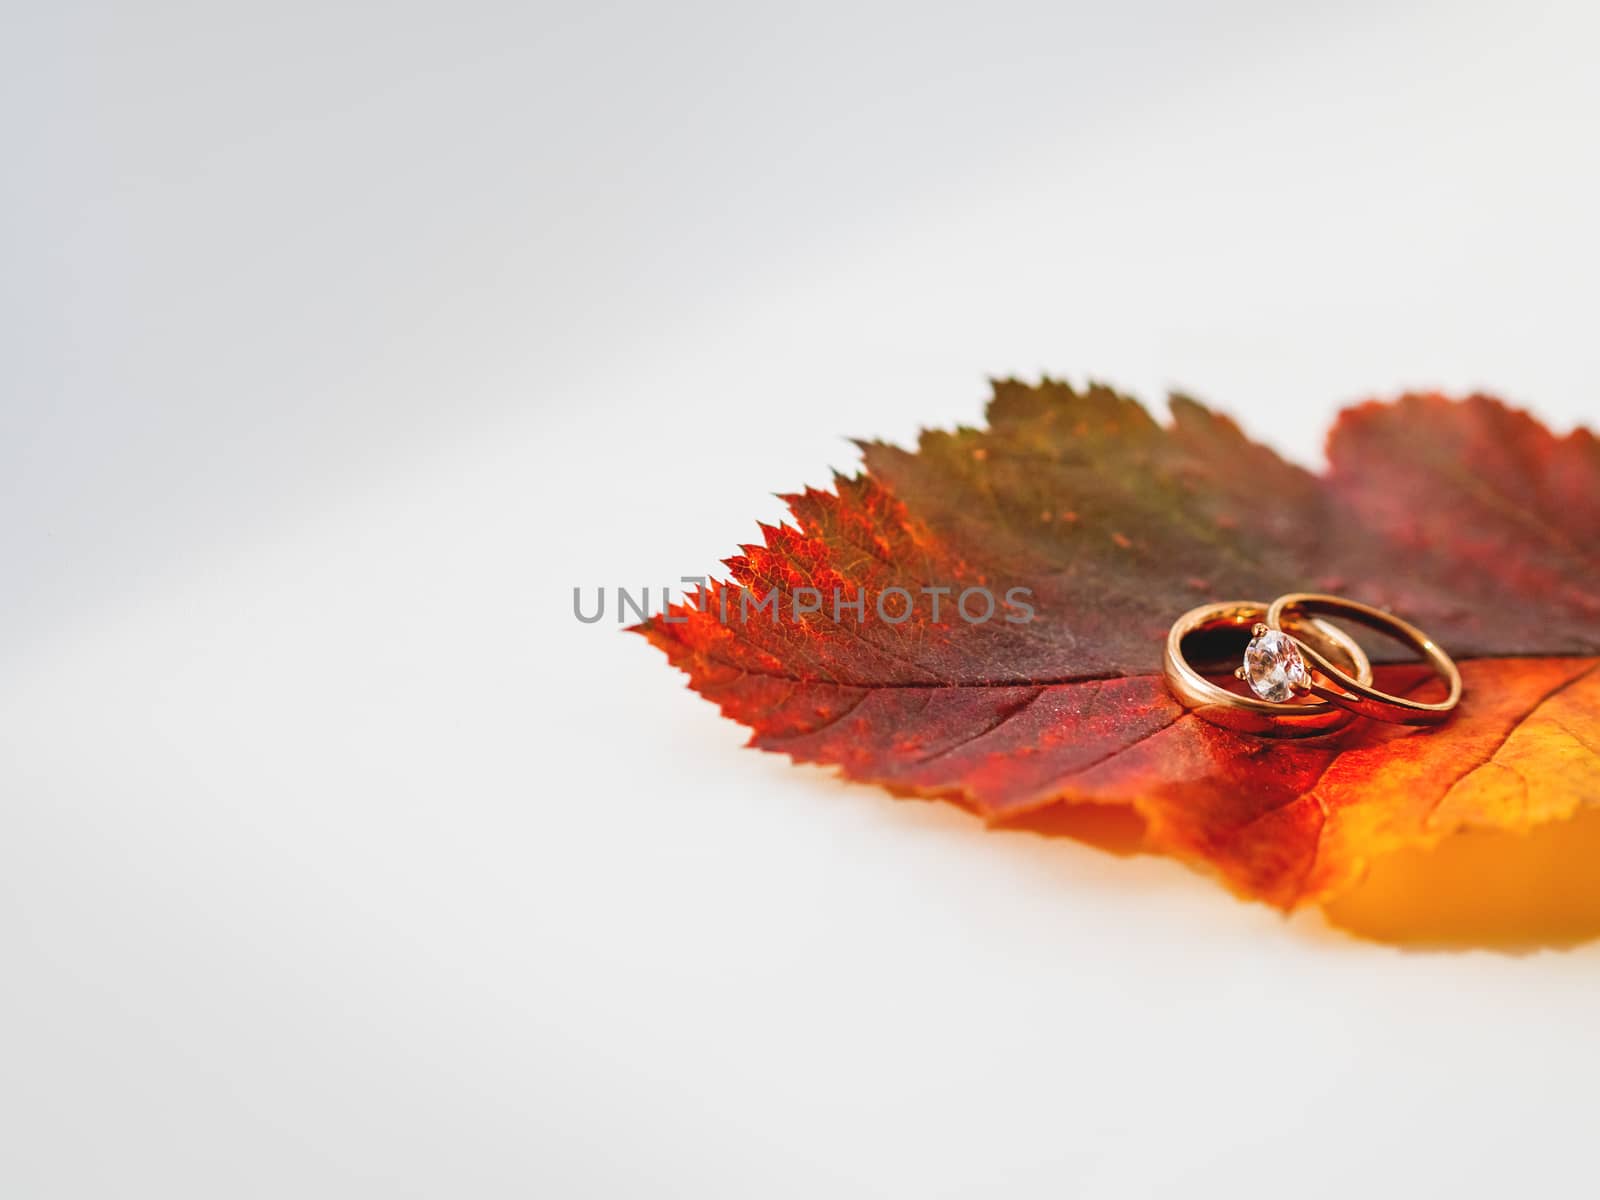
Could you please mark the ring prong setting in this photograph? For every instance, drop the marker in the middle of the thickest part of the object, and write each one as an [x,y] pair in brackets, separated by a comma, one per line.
[1272,665]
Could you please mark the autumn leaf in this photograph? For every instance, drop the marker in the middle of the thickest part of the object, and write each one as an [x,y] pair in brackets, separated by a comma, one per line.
[1469,518]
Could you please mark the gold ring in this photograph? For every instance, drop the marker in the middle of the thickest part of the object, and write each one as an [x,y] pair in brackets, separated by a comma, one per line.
[1358,695]
[1246,714]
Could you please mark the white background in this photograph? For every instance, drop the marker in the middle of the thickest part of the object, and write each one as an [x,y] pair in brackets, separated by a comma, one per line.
[342,342]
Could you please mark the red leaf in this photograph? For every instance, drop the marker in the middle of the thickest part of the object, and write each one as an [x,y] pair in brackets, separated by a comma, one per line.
[1469,518]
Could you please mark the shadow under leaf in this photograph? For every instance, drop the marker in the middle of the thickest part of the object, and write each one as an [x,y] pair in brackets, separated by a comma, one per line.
[1503,891]
[1495,890]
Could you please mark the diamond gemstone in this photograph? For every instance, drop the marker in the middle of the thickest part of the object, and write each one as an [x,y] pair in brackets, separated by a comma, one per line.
[1273,666]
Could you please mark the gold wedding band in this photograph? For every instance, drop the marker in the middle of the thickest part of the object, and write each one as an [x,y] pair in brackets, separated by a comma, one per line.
[1256,714]
[1357,695]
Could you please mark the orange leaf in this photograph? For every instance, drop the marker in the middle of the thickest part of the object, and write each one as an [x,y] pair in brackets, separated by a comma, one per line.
[1469,518]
